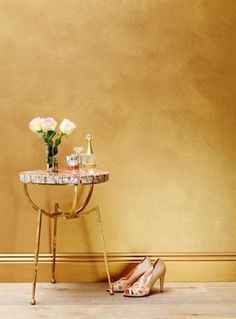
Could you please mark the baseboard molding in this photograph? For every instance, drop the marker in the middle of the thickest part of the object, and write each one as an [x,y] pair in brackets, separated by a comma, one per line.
[89,266]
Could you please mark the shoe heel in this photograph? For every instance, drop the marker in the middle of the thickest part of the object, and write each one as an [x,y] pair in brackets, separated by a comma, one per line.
[162,278]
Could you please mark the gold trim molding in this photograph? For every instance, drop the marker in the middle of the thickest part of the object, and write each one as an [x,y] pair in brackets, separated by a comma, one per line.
[21,258]
[89,267]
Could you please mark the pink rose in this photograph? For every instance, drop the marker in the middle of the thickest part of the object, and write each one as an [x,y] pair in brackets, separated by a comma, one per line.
[48,124]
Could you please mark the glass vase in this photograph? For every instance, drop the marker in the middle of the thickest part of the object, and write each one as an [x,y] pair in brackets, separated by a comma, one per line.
[51,159]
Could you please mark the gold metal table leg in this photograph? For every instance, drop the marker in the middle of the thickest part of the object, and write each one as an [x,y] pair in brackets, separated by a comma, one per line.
[110,289]
[72,214]
[53,280]
[38,235]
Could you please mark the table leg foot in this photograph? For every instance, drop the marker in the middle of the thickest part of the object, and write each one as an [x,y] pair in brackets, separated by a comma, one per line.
[53,281]
[110,290]
[33,302]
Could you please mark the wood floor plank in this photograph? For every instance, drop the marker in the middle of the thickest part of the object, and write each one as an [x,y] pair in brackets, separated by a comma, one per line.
[90,300]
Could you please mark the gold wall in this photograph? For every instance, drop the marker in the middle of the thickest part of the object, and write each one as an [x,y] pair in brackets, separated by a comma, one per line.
[154,82]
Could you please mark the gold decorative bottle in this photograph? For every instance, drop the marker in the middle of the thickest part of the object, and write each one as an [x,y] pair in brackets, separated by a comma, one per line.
[88,158]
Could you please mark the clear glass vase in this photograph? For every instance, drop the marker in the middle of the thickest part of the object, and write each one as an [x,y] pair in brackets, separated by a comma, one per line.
[51,158]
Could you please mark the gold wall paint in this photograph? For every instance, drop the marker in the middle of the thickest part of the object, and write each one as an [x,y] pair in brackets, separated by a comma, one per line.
[154,82]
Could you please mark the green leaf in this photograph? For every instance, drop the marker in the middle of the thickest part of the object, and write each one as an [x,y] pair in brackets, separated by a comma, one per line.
[58,140]
[50,135]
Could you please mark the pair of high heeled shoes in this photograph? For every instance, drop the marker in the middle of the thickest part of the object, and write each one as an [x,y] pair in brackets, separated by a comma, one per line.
[140,280]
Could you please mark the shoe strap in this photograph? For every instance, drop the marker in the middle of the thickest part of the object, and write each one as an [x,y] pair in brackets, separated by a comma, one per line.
[137,289]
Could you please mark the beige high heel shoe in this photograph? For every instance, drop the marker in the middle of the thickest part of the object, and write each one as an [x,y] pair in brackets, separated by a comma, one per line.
[144,284]
[132,276]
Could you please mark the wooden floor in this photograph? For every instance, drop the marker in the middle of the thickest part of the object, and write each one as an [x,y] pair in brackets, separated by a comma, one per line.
[88,300]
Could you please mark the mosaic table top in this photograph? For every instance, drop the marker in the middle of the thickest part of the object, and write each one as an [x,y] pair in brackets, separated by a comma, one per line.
[64,177]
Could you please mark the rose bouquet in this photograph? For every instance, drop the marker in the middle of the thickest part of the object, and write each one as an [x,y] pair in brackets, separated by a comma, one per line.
[45,128]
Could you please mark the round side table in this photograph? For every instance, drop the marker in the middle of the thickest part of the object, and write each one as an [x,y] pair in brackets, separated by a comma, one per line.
[71,178]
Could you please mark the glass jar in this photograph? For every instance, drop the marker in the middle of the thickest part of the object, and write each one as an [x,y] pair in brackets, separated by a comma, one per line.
[72,162]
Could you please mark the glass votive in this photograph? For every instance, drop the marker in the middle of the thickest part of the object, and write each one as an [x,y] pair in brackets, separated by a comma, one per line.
[88,162]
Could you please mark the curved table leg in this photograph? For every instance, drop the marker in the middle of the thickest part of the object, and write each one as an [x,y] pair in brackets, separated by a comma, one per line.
[32,203]
[38,235]
[74,201]
[110,289]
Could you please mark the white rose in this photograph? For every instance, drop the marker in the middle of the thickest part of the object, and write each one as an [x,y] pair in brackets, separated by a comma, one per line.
[48,124]
[35,124]
[67,127]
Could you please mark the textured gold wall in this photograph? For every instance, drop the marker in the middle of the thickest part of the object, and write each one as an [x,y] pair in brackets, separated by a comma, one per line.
[154,82]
